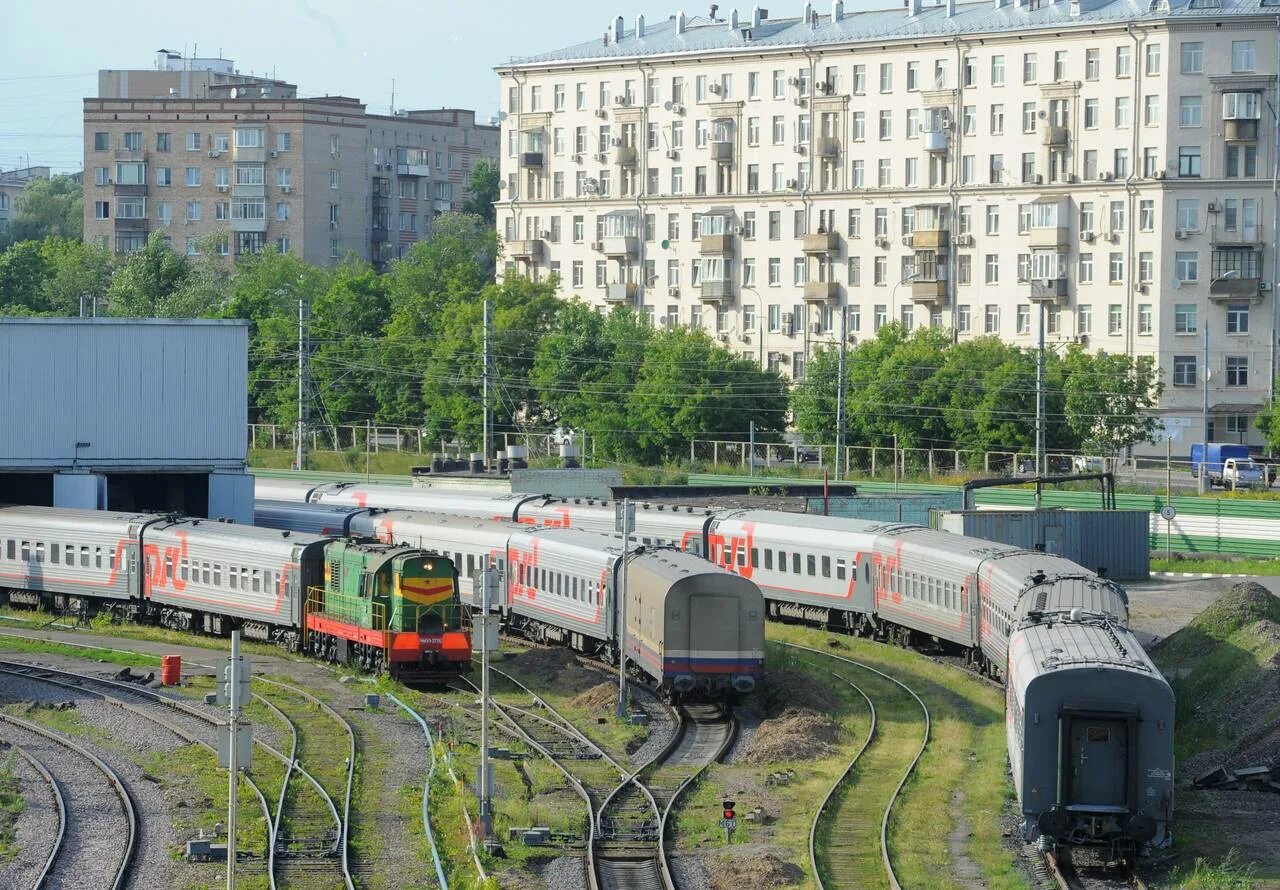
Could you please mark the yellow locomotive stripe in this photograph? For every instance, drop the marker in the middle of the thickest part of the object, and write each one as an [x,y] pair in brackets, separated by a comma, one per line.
[426,590]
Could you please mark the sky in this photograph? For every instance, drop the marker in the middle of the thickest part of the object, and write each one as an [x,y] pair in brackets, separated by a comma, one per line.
[438,53]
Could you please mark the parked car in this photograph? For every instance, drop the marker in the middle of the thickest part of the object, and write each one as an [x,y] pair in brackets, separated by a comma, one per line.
[1240,472]
[1083,463]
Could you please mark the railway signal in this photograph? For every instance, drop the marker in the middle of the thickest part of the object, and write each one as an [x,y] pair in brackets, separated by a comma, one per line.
[729,821]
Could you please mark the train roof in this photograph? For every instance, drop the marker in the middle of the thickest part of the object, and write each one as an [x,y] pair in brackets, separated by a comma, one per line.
[229,533]
[1085,643]
[70,518]
[282,489]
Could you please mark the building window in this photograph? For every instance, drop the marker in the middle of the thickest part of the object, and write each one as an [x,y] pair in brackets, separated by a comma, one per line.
[997,71]
[1237,318]
[964,319]
[101,142]
[991,319]
[1184,318]
[101,209]
[1184,370]
[1115,268]
[163,141]
[1092,63]
[1187,265]
[1192,57]
[193,177]
[1189,160]
[194,211]
[1243,56]
[992,269]
[1084,320]
[1237,370]
[1144,319]
[1115,319]
[1023,320]
[1190,111]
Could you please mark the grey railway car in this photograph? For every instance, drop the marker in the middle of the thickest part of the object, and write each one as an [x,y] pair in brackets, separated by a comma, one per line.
[55,556]
[315,519]
[1090,734]
[200,572]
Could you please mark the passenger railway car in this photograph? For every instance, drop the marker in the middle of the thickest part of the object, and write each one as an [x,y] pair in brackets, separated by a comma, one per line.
[921,587]
[693,628]
[213,577]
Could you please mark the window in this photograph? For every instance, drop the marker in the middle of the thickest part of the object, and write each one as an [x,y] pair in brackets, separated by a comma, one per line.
[1192,57]
[1188,214]
[997,120]
[1189,160]
[193,211]
[1086,268]
[1147,215]
[997,71]
[1091,114]
[1144,319]
[991,274]
[1124,61]
[1241,160]
[1187,265]
[1028,67]
[991,319]
[1237,318]
[964,321]
[1123,112]
[1184,318]
[1243,56]
[1146,267]
[164,176]
[1115,267]
[1060,65]
[1153,59]
[1084,320]
[1237,370]
[1150,111]
[101,209]
[1092,63]
[1190,111]
[913,76]
[193,177]
[1120,162]
[1115,319]
[1022,323]
[886,77]
[775,271]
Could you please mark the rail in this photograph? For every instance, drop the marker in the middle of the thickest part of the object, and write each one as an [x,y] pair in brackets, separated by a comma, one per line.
[426,789]
[117,785]
[826,800]
[59,804]
[924,743]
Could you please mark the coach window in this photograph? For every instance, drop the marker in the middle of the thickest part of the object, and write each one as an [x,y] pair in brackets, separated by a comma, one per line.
[39,551]
[204,572]
[9,549]
[69,554]
[233,578]
[55,554]
[768,559]
[782,561]
[795,563]
[840,569]
[826,566]
[217,574]
[257,581]
[755,556]
[811,563]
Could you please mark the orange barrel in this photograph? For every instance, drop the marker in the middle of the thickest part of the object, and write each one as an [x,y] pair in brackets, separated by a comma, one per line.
[170,670]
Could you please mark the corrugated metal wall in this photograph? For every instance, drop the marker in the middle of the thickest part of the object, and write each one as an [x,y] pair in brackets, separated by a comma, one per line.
[1112,540]
[888,508]
[140,392]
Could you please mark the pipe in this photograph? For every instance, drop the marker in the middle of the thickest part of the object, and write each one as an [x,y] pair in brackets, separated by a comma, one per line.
[1131,191]
[1275,227]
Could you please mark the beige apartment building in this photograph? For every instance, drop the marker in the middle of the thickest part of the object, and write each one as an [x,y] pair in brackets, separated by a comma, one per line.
[318,177]
[785,181]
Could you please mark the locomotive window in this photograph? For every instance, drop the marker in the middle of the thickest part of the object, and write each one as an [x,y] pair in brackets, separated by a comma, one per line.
[840,569]
[826,566]
[795,563]
[84,557]
[768,563]
[1098,733]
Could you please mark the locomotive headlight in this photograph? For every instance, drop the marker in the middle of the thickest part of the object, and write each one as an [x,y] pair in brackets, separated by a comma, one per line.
[431,566]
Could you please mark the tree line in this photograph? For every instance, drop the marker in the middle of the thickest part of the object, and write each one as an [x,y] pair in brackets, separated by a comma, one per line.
[405,347]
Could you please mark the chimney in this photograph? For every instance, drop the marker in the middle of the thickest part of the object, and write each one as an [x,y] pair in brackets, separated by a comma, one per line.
[951,8]
[757,16]
[640,25]
[733,19]
[680,20]
[808,9]
[617,30]
[914,9]
[837,10]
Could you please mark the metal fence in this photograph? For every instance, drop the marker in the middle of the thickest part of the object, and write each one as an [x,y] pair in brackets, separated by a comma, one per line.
[411,440]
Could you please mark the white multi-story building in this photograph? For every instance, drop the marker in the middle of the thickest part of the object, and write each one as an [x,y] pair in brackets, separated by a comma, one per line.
[777,180]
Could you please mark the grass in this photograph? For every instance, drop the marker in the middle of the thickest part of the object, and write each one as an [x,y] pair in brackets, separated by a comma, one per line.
[1229,873]
[11,807]
[22,644]
[967,751]
[1218,566]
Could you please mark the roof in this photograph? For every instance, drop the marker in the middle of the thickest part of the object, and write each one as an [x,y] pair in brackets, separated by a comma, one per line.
[130,322]
[703,35]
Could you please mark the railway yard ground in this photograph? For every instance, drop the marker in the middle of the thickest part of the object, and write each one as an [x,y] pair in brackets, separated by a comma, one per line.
[804,748]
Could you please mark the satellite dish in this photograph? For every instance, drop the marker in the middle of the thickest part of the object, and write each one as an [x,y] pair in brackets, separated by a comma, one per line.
[502,115]
[666,105]
[234,92]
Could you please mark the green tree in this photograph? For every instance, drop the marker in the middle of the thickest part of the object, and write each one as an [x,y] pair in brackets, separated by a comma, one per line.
[74,269]
[346,326]
[690,386]
[49,207]
[482,191]
[23,270]
[147,281]
[1111,399]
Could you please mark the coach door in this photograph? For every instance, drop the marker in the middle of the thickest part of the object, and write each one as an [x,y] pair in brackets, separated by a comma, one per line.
[1099,760]
[713,621]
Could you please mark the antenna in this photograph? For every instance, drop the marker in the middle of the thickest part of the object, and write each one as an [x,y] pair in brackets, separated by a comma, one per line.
[393,97]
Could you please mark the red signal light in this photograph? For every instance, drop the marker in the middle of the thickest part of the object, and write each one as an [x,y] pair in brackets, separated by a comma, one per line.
[728,809]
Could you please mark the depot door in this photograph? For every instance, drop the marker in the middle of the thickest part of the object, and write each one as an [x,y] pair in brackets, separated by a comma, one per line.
[1099,758]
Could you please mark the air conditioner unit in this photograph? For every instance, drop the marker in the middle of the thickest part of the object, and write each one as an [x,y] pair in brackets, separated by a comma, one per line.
[945,123]
[852,338]
[597,246]
[802,102]
[723,337]
[673,155]
[964,240]
[1039,179]
[602,112]
[333,223]
[1159,174]
[787,318]
[544,235]
[1264,285]
[223,188]
[602,158]
[334,153]
[795,81]
[882,242]
[677,108]
[783,358]
[1180,234]
[617,141]
[275,154]
[1105,176]
[1082,339]
[1087,237]
[286,188]
[215,154]
[1142,289]
[906,240]
[576,158]
[799,149]
[792,183]
[714,88]
[620,101]
[1113,237]
[673,292]
[1213,207]
[745,336]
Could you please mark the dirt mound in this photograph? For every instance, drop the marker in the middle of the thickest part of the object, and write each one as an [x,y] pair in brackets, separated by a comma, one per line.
[1224,667]
[540,668]
[792,735]
[754,870]
[791,690]
[601,697]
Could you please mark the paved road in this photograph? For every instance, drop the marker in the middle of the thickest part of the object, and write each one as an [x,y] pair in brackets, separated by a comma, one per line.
[1161,606]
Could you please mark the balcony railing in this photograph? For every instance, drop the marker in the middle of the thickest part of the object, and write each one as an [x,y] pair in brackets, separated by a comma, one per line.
[415,169]
[935,140]
[828,147]
[1224,289]
[1051,237]
[531,159]
[621,291]
[1236,130]
[716,291]
[930,239]
[620,246]
[716,245]
[928,290]
[820,291]
[1049,290]
[625,155]
[1056,136]
[821,242]
[722,152]
[527,249]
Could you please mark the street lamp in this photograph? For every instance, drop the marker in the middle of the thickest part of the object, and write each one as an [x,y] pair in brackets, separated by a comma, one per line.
[893,294]
[1204,407]
[759,321]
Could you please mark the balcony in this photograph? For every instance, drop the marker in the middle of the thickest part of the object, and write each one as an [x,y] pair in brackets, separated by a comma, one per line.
[249,191]
[620,246]
[1241,237]
[380,235]
[130,191]
[716,291]
[930,239]
[621,292]
[625,155]
[1240,130]
[1053,237]
[137,155]
[935,140]
[1229,289]
[821,242]
[820,291]
[716,245]
[249,154]
[928,290]
[828,147]
[1049,290]
[1056,137]
[131,224]
[249,225]
[528,249]
[422,169]
[722,152]
[530,159]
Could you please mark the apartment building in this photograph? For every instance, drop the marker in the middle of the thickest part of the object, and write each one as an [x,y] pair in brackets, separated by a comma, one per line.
[783,182]
[12,184]
[319,177]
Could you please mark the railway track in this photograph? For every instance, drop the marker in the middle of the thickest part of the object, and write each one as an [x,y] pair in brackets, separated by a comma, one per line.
[60,809]
[1092,873]
[93,848]
[849,836]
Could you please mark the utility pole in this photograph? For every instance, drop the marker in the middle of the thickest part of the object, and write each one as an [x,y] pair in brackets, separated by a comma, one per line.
[302,404]
[625,523]
[1040,406]
[844,341]
[1275,231]
[367,445]
[1204,419]
[751,452]
[237,686]
[488,581]
[488,371]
